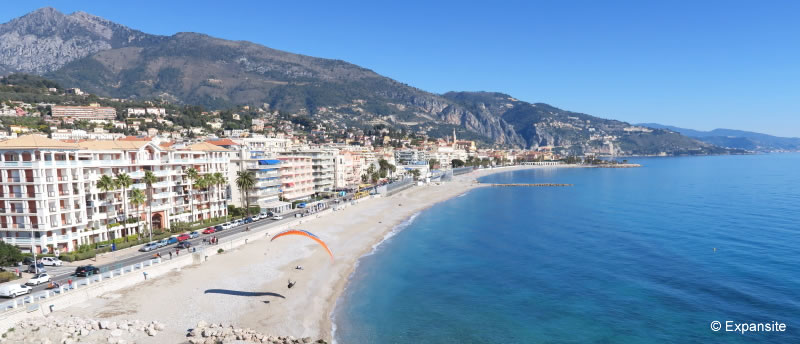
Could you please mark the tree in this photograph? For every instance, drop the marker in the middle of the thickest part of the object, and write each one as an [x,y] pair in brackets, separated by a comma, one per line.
[245,180]
[202,184]
[137,198]
[124,181]
[10,255]
[150,179]
[415,173]
[457,163]
[107,184]
[219,180]
[432,163]
[193,176]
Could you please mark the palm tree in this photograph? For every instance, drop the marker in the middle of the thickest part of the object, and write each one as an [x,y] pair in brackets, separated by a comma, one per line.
[107,184]
[124,181]
[137,199]
[202,184]
[150,179]
[193,175]
[245,180]
[218,179]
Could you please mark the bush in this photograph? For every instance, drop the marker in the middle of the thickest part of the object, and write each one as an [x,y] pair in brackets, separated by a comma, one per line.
[74,256]
[220,251]
[6,276]
[9,254]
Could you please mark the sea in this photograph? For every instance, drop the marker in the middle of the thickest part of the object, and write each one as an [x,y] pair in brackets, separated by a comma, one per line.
[654,254]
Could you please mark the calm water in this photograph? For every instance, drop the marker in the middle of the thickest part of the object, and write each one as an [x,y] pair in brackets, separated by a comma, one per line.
[624,256]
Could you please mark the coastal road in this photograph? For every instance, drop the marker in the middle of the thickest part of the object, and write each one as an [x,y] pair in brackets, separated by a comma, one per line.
[164,251]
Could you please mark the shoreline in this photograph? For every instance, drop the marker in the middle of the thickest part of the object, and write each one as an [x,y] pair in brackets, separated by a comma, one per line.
[246,286]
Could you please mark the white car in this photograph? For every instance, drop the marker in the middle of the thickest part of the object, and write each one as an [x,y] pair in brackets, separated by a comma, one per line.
[51,261]
[149,247]
[227,225]
[39,279]
[162,242]
[277,217]
[15,290]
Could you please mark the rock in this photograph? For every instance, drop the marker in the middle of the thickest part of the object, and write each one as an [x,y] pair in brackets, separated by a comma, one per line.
[201,324]
[105,324]
[150,331]
[307,340]
[84,332]
[112,340]
[159,326]
[116,333]
[123,326]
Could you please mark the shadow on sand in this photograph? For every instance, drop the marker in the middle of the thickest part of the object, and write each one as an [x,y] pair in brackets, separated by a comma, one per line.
[242,293]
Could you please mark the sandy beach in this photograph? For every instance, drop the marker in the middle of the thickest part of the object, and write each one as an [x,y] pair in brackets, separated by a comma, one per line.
[247,287]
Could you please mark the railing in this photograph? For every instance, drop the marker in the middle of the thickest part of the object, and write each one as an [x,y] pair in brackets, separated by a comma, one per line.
[66,288]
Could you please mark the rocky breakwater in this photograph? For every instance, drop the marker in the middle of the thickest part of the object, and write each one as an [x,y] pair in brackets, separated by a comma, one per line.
[56,330]
[205,333]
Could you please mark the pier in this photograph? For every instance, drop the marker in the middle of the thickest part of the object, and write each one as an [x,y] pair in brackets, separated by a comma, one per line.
[531,185]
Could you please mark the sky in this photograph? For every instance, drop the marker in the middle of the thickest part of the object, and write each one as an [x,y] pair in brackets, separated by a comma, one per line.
[694,64]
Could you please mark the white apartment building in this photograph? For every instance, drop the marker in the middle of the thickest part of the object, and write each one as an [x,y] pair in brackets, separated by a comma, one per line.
[84,112]
[345,176]
[49,196]
[297,179]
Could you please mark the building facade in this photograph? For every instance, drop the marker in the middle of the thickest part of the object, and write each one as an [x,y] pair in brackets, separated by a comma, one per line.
[49,197]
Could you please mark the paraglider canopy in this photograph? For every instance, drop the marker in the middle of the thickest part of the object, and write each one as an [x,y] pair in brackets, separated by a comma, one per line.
[305,234]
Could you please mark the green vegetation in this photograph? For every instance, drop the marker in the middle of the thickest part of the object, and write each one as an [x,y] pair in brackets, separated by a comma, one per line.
[245,181]
[9,254]
[6,276]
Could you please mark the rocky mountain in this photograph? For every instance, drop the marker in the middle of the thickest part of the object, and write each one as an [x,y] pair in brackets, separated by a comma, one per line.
[738,139]
[46,39]
[108,59]
[543,125]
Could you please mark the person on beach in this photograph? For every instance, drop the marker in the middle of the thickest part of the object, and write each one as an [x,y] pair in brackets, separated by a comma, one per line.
[170,255]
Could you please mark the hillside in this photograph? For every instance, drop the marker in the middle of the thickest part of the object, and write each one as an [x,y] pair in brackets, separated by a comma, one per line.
[111,60]
[739,139]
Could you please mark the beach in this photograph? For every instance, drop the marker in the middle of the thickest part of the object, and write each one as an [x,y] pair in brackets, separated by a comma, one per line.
[247,286]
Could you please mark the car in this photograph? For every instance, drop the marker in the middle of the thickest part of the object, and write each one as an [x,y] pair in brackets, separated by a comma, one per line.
[194,234]
[149,247]
[183,237]
[172,240]
[162,243]
[277,217]
[227,225]
[183,244]
[248,220]
[209,230]
[87,270]
[15,290]
[38,279]
[36,269]
[51,261]
[218,228]
[26,261]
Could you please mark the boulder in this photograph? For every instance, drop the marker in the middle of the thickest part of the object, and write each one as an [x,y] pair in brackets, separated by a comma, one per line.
[202,324]
[104,324]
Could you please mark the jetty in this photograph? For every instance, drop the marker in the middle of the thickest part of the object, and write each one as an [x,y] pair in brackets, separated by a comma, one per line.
[531,185]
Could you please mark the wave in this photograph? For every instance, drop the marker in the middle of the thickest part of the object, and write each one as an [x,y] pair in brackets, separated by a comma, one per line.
[403,225]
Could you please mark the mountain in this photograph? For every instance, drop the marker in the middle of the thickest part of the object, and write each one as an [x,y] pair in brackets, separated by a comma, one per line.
[738,139]
[46,39]
[542,125]
[111,60]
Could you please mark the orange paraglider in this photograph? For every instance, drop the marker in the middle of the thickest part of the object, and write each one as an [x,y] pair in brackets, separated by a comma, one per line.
[305,234]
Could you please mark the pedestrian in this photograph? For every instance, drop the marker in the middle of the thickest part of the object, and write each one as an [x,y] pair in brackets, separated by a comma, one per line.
[170,255]
[70,283]
[177,252]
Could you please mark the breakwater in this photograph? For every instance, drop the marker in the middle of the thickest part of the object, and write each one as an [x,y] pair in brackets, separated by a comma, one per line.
[531,185]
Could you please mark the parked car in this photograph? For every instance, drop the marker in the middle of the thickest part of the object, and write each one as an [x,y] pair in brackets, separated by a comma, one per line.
[218,228]
[172,240]
[26,261]
[277,217]
[149,247]
[51,261]
[183,244]
[14,290]
[194,234]
[248,220]
[209,230]
[227,225]
[183,237]
[87,270]
[33,269]
[162,243]
[38,279]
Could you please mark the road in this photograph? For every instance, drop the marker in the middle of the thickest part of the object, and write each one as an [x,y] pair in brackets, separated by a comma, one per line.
[164,251]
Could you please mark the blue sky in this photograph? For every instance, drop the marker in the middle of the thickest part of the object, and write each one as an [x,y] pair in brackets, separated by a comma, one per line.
[696,64]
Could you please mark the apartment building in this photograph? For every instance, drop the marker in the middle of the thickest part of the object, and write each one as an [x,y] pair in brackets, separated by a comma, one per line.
[297,179]
[345,176]
[49,197]
[322,165]
[84,112]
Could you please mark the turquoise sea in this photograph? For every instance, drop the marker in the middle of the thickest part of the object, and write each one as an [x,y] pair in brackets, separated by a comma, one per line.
[623,256]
